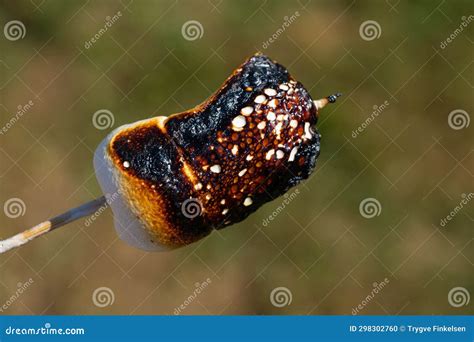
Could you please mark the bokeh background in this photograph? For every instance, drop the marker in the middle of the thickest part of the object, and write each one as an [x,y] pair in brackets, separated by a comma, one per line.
[414,161]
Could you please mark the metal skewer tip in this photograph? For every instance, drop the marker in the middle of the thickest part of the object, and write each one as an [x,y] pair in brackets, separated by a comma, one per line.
[321,103]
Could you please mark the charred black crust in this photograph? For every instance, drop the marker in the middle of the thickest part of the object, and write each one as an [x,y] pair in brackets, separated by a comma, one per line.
[154,158]
[195,131]
[150,154]
[155,155]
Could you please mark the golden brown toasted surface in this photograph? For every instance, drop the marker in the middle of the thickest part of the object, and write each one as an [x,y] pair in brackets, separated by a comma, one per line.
[152,177]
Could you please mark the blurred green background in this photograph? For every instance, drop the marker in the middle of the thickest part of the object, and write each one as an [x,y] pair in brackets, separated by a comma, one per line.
[319,247]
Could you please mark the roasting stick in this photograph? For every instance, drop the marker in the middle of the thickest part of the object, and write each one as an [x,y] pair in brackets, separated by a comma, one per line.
[90,207]
[51,224]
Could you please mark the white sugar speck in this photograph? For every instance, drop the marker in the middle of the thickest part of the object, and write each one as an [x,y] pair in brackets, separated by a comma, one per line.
[278,128]
[269,154]
[216,168]
[238,121]
[307,130]
[270,92]
[293,154]
[248,201]
[126,164]
[271,116]
[273,103]
[235,149]
[260,99]
[246,111]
